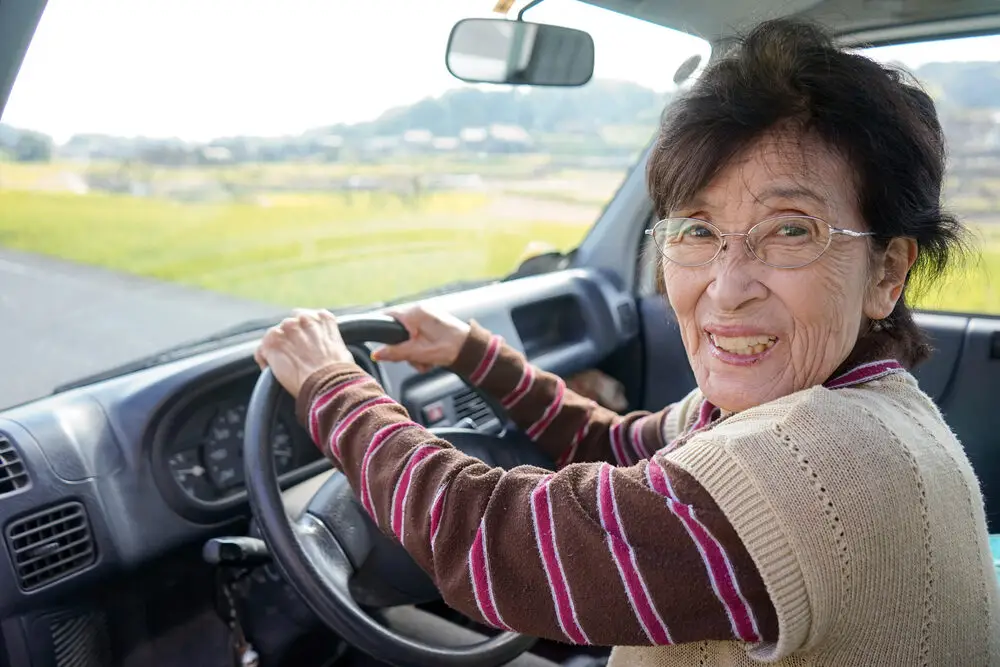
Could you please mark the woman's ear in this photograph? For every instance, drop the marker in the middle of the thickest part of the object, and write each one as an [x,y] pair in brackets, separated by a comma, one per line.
[889,277]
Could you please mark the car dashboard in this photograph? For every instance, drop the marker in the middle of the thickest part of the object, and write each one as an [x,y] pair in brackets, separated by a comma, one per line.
[104,479]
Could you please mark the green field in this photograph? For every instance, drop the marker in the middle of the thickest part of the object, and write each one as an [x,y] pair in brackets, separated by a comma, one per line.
[321,249]
[306,250]
[974,285]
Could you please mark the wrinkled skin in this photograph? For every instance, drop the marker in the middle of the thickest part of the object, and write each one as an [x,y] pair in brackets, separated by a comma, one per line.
[816,312]
[436,338]
[301,345]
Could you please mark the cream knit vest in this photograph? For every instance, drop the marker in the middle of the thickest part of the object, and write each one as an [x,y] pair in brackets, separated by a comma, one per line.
[865,519]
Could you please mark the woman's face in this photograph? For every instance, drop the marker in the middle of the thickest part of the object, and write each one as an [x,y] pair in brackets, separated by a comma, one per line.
[754,333]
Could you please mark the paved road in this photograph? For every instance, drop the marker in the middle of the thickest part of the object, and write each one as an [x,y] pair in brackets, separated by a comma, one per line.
[60,321]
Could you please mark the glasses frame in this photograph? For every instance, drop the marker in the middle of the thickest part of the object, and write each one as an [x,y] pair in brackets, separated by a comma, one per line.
[746,239]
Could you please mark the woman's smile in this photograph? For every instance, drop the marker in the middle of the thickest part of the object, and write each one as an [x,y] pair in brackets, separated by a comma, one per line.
[740,348]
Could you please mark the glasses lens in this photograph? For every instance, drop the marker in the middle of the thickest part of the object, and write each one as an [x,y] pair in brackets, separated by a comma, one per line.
[789,242]
[687,241]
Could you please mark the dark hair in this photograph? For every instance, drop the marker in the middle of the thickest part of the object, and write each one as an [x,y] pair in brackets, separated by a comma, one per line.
[788,72]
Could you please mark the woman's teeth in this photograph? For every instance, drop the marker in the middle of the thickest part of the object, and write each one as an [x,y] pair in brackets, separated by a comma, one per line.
[745,345]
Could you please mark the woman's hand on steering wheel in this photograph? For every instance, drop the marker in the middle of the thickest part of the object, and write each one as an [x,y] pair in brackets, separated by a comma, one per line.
[436,338]
[301,345]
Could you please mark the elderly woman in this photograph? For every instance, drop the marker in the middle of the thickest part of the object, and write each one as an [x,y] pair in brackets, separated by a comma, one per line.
[807,503]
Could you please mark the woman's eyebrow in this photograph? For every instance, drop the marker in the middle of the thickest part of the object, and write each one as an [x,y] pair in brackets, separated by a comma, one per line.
[696,202]
[790,192]
[772,192]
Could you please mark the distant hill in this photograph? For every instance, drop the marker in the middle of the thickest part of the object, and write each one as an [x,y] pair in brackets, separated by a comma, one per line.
[555,119]
[971,85]
[24,145]
[537,110]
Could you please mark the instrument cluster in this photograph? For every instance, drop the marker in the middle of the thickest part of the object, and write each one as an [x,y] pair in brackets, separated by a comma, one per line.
[197,448]
[209,466]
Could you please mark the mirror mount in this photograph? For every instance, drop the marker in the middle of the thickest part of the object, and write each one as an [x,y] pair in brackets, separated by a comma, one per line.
[520,14]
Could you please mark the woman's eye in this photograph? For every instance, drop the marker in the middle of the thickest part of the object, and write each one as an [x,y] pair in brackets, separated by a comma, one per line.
[792,230]
[698,232]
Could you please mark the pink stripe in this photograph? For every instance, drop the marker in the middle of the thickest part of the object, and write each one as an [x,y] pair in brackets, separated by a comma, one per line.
[574,444]
[637,443]
[618,444]
[324,399]
[562,600]
[550,413]
[437,507]
[704,415]
[865,373]
[624,557]
[350,418]
[522,387]
[381,436]
[482,586]
[492,352]
[402,490]
[717,563]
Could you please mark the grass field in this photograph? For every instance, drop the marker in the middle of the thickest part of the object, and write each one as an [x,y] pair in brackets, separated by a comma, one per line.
[14,175]
[308,250]
[338,249]
[974,286]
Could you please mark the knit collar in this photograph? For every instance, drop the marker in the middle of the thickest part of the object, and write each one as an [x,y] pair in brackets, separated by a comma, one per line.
[873,370]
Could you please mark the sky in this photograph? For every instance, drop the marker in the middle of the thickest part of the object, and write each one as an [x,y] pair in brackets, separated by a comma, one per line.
[959,50]
[200,69]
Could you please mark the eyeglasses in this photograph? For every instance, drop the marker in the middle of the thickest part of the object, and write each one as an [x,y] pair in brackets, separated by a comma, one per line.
[784,242]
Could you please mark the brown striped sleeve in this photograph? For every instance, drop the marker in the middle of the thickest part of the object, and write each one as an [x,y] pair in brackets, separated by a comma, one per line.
[591,554]
[567,426]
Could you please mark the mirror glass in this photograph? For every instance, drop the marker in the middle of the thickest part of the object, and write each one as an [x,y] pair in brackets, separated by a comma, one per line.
[518,52]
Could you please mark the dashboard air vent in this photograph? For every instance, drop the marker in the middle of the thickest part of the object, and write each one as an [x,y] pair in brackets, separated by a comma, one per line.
[469,404]
[13,474]
[50,545]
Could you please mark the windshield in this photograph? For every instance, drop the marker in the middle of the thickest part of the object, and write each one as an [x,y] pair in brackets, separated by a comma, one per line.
[172,168]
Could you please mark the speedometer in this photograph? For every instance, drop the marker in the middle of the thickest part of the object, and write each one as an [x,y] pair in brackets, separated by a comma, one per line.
[189,473]
[223,448]
[215,469]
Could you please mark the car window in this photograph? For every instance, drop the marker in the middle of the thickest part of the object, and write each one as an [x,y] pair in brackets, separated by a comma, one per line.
[255,155]
[963,77]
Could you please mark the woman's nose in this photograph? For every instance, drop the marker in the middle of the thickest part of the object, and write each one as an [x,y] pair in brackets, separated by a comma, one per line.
[736,280]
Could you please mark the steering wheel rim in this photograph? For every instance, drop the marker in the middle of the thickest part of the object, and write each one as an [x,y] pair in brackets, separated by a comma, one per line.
[317,564]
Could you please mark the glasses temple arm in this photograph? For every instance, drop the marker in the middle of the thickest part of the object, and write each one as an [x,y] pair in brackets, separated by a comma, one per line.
[850,232]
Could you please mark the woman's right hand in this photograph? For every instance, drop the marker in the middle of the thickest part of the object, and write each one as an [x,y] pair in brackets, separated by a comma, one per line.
[436,338]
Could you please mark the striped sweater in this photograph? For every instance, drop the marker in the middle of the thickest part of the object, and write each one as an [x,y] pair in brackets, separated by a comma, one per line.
[618,546]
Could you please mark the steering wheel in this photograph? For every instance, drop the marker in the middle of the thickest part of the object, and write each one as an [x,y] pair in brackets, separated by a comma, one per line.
[325,553]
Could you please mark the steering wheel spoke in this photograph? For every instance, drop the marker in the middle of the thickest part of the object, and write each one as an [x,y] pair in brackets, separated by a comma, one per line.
[332,563]
[337,510]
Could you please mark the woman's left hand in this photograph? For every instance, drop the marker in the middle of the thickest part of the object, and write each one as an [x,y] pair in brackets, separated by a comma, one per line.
[301,345]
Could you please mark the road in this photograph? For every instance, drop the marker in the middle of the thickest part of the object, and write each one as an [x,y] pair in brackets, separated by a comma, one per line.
[60,321]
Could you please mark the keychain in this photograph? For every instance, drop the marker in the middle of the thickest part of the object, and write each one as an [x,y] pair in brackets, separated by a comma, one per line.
[244,654]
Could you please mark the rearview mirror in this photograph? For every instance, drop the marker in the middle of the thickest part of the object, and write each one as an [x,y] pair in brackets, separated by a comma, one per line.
[518,52]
